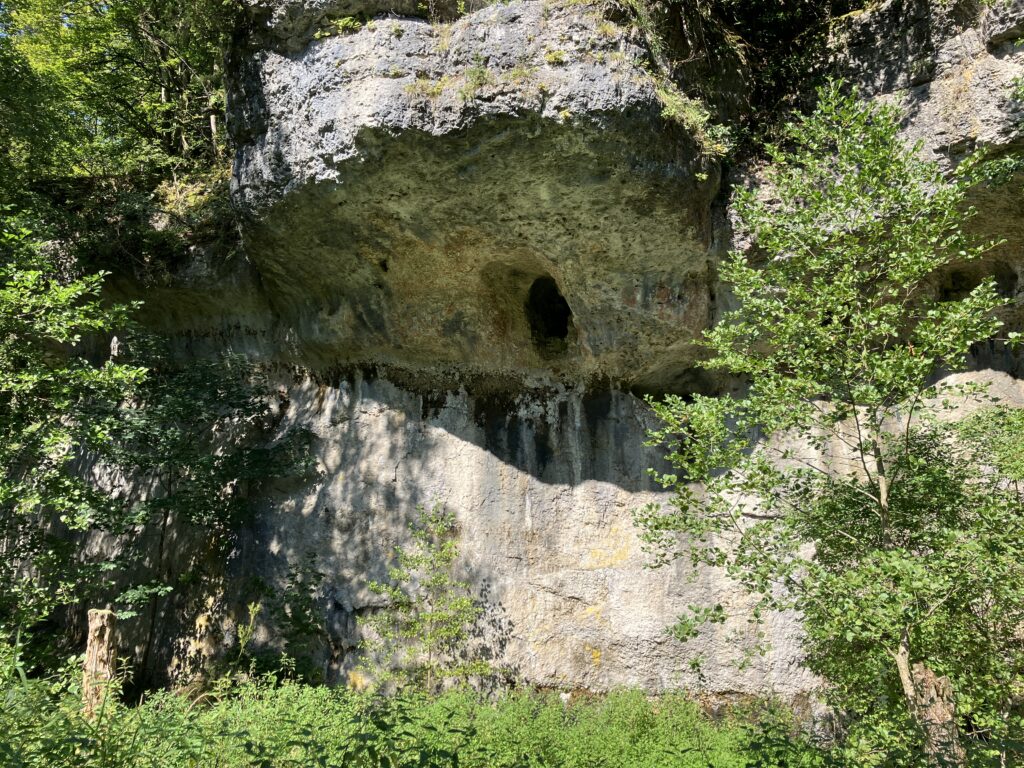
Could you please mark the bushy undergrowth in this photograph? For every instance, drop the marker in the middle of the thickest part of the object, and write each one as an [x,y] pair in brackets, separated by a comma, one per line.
[268,723]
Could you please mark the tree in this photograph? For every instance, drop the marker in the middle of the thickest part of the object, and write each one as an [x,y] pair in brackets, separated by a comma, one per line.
[839,483]
[421,635]
[140,81]
[107,448]
[48,387]
[28,121]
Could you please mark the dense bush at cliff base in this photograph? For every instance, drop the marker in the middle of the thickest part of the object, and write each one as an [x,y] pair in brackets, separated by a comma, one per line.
[269,723]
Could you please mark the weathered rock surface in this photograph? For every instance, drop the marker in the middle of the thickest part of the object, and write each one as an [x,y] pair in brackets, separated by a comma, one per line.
[290,25]
[495,219]
[474,239]
[543,489]
[500,194]
[950,67]
[953,70]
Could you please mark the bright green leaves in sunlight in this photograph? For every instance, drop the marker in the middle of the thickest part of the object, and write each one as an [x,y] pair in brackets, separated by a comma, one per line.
[837,484]
[138,84]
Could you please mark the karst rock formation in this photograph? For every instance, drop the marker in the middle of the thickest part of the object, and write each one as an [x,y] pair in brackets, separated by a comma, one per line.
[470,246]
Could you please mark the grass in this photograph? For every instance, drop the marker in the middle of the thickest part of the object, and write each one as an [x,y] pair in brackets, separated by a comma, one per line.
[346,25]
[431,89]
[692,115]
[474,79]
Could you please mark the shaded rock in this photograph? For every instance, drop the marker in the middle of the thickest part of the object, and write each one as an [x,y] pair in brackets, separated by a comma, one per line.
[543,487]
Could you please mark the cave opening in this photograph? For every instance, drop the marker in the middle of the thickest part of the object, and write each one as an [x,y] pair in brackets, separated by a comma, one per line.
[549,316]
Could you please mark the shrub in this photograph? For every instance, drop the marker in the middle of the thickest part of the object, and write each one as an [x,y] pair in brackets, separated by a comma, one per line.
[269,722]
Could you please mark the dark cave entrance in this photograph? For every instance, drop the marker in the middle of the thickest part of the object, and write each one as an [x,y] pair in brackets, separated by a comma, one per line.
[549,317]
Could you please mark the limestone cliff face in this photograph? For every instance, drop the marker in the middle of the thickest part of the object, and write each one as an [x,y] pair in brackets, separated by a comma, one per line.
[499,195]
[481,235]
[474,240]
[953,70]
[950,67]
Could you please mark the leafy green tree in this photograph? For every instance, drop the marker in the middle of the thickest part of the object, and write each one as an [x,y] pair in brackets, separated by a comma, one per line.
[29,124]
[140,82]
[421,636]
[112,135]
[838,484]
[48,387]
[110,452]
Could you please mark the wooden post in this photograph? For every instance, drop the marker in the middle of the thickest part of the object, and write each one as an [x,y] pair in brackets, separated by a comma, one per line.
[100,660]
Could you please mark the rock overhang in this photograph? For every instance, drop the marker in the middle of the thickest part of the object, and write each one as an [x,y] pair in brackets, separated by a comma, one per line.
[407,188]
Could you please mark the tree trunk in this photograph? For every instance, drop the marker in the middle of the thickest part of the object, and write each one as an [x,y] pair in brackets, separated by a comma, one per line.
[931,703]
[936,712]
[100,661]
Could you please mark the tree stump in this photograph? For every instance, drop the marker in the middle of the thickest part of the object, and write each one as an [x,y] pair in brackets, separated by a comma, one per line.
[100,661]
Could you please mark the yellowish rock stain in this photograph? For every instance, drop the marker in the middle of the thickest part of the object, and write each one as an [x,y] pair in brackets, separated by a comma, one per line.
[358,680]
[616,551]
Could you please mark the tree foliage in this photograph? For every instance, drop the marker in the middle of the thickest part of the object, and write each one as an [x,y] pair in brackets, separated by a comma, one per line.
[837,484]
[421,635]
[107,446]
[112,128]
[139,82]
[48,392]
[28,120]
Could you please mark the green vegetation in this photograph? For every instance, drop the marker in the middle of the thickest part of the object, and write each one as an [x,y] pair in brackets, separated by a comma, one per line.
[846,481]
[519,75]
[51,411]
[114,158]
[692,115]
[840,484]
[127,86]
[476,77]
[431,89]
[781,45]
[421,636]
[84,396]
[345,25]
[104,108]
[690,112]
[267,722]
